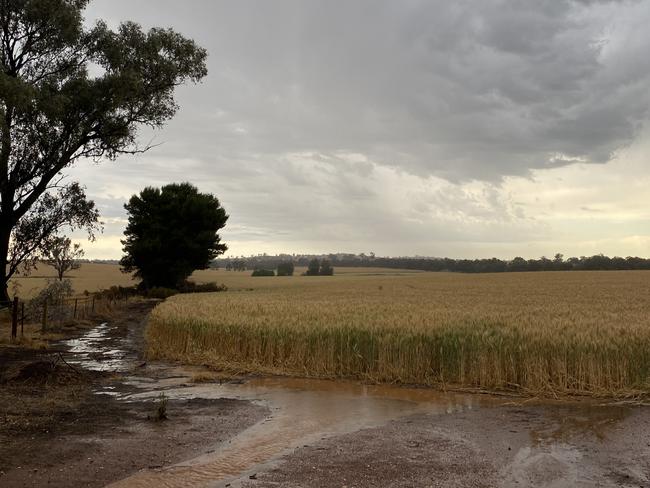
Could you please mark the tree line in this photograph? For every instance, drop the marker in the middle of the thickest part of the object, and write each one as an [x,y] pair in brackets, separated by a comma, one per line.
[489,265]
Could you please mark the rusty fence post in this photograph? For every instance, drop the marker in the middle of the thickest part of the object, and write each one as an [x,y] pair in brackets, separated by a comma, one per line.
[14,319]
[93,307]
[22,319]
[74,314]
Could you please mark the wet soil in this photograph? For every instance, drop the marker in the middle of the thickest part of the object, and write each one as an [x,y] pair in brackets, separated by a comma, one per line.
[62,424]
[542,446]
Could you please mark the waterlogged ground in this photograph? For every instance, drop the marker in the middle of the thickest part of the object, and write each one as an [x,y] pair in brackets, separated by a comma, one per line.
[269,432]
[335,434]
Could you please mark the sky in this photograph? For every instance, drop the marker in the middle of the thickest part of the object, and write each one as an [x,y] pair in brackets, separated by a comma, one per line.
[433,128]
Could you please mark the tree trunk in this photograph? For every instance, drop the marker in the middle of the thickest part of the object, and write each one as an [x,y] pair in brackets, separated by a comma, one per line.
[4,254]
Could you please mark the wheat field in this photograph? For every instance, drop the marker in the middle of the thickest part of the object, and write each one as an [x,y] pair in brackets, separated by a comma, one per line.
[556,332]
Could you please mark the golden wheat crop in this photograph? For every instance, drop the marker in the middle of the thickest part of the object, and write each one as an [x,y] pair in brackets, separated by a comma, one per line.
[562,332]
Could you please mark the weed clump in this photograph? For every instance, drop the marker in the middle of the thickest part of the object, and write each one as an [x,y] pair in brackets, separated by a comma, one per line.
[160,413]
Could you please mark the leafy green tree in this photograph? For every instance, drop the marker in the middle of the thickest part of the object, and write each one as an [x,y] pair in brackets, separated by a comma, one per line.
[62,255]
[285,268]
[171,232]
[326,268]
[68,92]
[313,269]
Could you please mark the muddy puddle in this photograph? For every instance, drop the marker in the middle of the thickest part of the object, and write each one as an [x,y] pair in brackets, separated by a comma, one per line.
[305,411]
[100,350]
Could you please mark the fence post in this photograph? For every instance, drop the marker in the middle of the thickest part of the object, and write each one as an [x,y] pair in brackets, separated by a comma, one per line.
[93,307]
[74,314]
[44,321]
[14,319]
[22,319]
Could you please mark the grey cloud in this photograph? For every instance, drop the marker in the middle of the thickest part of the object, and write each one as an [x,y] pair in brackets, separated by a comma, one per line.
[464,90]
[457,90]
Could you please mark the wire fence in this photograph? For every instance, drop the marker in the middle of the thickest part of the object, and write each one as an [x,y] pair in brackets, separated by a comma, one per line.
[54,314]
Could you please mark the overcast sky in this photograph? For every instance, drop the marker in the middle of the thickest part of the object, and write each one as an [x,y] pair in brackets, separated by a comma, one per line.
[460,129]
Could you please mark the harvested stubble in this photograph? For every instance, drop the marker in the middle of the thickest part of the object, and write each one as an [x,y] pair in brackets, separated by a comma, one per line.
[560,332]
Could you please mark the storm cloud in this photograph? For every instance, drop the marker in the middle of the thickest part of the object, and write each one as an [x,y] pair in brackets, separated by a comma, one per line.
[362,119]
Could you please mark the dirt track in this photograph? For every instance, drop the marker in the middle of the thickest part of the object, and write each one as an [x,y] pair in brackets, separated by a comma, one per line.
[56,431]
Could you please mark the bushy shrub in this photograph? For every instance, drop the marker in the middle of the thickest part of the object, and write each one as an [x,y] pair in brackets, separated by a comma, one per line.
[55,291]
[118,292]
[263,272]
[160,292]
[191,287]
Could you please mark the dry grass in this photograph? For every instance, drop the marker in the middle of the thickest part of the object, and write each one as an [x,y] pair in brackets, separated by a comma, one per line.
[93,277]
[562,332]
[89,277]
[204,377]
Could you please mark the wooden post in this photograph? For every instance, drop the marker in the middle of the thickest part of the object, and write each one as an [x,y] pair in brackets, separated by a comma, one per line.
[14,319]
[74,314]
[93,307]
[44,322]
[22,319]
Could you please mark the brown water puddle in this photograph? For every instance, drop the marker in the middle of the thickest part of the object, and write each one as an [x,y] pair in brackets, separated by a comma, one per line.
[303,411]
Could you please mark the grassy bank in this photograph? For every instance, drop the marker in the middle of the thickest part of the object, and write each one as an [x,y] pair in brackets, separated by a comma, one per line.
[578,332]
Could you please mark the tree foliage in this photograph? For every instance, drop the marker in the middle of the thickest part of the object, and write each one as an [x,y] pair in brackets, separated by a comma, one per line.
[171,232]
[285,268]
[313,267]
[68,92]
[318,267]
[62,255]
[326,268]
[489,265]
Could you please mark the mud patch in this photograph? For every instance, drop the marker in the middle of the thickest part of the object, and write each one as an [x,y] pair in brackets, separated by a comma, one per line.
[496,447]
[115,440]
[56,430]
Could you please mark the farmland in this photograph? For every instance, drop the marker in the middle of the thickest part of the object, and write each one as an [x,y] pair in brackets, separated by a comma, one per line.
[92,277]
[553,333]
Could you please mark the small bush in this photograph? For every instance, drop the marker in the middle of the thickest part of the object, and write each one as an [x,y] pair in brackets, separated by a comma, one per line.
[118,292]
[160,292]
[54,293]
[263,272]
[161,408]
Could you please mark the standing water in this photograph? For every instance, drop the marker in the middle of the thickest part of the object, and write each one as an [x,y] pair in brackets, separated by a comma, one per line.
[304,411]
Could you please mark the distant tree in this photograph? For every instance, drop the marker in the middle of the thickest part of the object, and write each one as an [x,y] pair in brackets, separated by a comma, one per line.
[239,265]
[313,269]
[69,92]
[285,268]
[171,232]
[518,264]
[62,255]
[326,268]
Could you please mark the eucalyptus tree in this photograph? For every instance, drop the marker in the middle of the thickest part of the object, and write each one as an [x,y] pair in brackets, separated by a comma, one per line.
[70,92]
